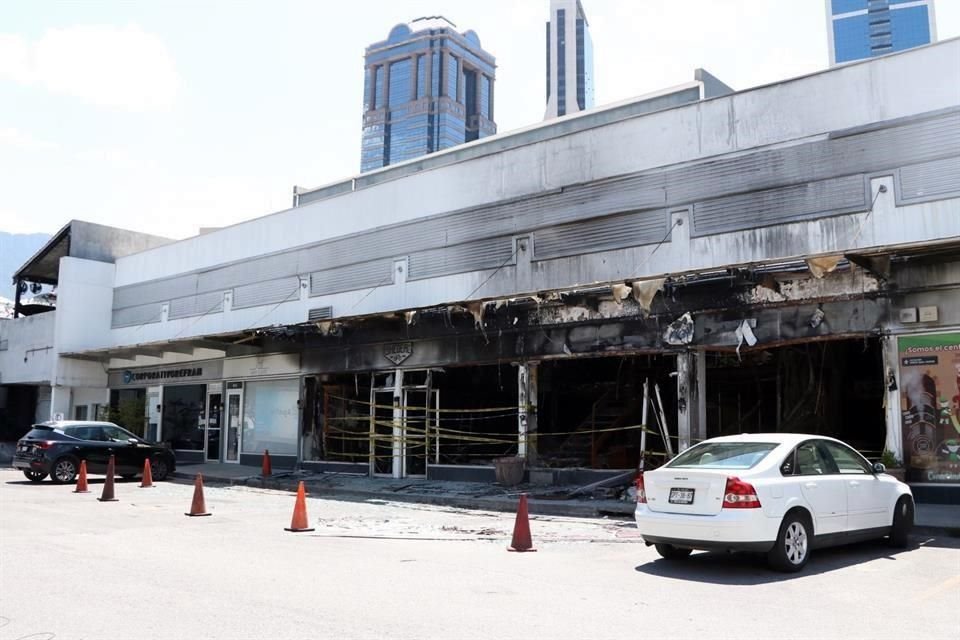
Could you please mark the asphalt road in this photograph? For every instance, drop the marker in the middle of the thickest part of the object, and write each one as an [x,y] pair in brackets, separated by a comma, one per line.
[73,567]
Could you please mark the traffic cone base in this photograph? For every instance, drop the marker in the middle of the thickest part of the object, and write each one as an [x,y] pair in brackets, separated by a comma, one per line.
[300,523]
[522,540]
[82,479]
[147,481]
[199,506]
[108,490]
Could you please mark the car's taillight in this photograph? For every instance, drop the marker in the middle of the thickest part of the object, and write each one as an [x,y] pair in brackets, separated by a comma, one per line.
[740,495]
[641,489]
[46,444]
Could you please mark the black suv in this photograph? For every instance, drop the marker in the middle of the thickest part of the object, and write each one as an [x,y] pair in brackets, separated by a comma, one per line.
[56,449]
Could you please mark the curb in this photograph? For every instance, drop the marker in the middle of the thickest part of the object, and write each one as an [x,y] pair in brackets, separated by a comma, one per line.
[569,508]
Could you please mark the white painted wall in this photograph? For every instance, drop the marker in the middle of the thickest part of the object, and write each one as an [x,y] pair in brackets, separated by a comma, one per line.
[29,357]
[84,301]
[86,396]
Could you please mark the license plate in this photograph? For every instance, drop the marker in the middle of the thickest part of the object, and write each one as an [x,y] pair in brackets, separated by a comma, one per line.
[24,447]
[681,496]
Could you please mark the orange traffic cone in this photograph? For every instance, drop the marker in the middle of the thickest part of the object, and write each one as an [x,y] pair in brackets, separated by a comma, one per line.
[82,479]
[199,506]
[522,540]
[267,467]
[147,475]
[299,521]
[107,495]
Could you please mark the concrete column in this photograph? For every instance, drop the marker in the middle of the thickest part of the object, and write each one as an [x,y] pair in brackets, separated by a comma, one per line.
[691,398]
[398,423]
[60,401]
[527,411]
[893,442]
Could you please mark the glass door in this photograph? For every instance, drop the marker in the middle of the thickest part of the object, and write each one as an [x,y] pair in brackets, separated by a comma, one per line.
[214,409]
[231,439]
[153,406]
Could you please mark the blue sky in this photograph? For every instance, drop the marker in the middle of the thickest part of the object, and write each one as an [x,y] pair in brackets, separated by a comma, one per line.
[168,116]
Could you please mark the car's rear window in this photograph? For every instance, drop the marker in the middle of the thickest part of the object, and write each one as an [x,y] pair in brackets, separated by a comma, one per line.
[44,433]
[723,455]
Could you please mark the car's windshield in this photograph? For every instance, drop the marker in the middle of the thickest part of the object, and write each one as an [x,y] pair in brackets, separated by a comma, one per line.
[723,455]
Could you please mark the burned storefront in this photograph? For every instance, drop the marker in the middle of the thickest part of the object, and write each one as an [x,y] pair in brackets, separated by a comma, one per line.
[599,378]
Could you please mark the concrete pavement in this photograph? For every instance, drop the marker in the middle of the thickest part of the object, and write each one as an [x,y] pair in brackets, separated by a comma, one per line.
[73,567]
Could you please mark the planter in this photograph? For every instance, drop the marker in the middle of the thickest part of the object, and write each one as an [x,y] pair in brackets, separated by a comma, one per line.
[509,471]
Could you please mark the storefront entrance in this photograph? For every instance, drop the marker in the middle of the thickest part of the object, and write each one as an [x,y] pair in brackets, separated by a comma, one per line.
[213,423]
[403,413]
[231,438]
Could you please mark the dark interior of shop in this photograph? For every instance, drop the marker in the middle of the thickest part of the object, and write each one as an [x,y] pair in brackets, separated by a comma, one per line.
[17,408]
[590,410]
[832,388]
[478,418]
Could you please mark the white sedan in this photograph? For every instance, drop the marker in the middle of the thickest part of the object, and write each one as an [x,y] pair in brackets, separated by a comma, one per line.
[775,493]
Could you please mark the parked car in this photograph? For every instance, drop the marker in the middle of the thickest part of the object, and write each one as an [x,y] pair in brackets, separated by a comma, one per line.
[779,494]
[56,449]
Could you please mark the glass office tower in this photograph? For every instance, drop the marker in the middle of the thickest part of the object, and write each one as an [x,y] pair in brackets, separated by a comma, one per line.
[859,29]
[428,87]
[569,59]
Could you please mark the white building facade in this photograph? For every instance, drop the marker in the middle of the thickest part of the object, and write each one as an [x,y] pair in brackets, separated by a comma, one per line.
[512,296]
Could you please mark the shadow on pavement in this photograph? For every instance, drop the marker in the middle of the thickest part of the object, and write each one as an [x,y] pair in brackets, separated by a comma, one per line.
[752,569]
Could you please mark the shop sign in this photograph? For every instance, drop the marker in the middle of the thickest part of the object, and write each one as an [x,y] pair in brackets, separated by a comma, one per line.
[166,374]
[930,406]
[398,351]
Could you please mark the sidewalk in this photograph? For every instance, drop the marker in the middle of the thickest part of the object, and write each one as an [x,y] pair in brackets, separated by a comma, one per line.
[543,500]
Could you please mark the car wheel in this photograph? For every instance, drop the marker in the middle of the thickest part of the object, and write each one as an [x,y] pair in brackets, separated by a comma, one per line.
[670,552]
[902,523]
[64,471]
[159,469]
[34,476]
[792,549]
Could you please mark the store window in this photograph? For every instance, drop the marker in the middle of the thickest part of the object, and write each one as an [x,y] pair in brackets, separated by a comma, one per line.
[80,412]
[183,411]
[270,416]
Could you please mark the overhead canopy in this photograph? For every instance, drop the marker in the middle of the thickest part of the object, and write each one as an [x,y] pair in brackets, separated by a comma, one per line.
[79,239]
[44,266]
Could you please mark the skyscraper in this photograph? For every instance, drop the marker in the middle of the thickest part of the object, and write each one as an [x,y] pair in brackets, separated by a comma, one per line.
[569,59]
[858,29]
[428,87]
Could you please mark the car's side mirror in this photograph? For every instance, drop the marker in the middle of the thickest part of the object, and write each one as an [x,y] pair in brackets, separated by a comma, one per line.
[878,467]
[133,441]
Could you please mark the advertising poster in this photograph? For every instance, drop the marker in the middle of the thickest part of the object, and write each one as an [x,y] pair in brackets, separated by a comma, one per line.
[930,406]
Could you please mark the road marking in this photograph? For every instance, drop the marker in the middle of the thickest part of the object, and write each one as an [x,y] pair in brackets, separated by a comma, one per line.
[943,586]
